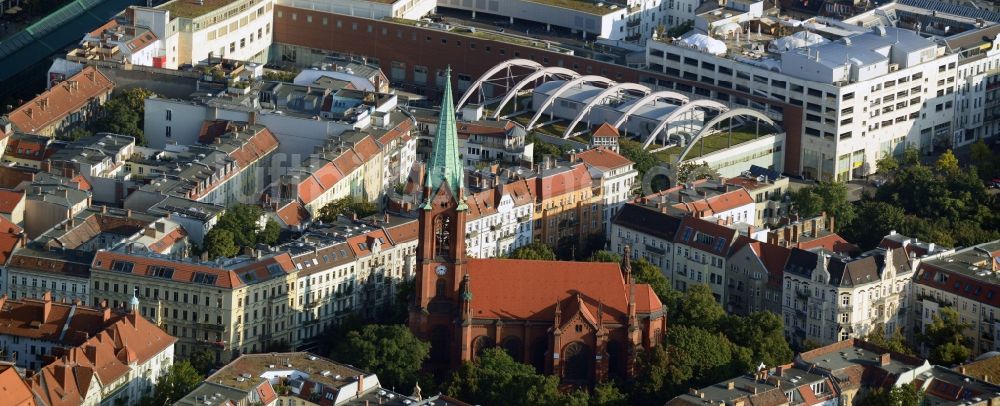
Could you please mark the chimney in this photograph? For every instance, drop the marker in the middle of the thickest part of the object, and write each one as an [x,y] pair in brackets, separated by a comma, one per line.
[750,230]
[47,307]
[884,359]
[830,226]
[361,384]
[3,300]
[731,385]
[252,120]
[780,370]
[161,226]
[107,313]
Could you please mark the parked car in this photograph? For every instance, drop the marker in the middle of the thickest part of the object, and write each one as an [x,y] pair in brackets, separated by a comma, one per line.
[995,183]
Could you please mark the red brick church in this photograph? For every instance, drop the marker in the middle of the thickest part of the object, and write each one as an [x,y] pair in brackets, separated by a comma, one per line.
[582,321]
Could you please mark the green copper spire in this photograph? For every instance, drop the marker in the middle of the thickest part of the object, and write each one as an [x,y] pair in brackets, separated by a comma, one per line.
[445,165]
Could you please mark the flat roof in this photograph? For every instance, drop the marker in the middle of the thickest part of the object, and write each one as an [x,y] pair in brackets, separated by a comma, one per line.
[193,8]
[586,6]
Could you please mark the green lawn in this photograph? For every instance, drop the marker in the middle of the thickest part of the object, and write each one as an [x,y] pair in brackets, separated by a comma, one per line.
[706,145]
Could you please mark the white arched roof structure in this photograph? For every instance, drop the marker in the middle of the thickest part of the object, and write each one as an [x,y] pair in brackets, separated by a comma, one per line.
[562,89]
[605,93]
[552,70]
[525,63]
[663,94]
[681,110]
[707,129]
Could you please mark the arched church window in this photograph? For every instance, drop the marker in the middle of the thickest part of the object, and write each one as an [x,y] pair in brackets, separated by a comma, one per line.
[442,237]
[578,361]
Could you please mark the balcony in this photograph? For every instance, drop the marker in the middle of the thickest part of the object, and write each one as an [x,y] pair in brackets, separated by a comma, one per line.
[214,343]
[803,294]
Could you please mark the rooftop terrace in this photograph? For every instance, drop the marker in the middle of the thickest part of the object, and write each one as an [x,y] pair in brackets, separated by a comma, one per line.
[193,8]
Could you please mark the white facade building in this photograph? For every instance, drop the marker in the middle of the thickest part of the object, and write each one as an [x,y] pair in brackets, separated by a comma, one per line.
[499,220]
[873,92]
[828,297]
[374,9]
[617,175]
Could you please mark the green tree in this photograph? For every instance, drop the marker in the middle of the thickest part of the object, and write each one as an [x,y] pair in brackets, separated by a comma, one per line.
[345,207]
[496,379]
[270,234]
[699,357]
[604,256]
[76,134]
[697,308]
[645,272]
[984,159]
[875,219]
[535,250]
[945,338]
[947,162]
[887,165]
[203,360]
[243,220]
[124,114]
[763,333]
[652,377]
[825,196]
[893,342]
[391,351]
[220,242]
[608,394]
[644,161]
[181,378]
[903,395]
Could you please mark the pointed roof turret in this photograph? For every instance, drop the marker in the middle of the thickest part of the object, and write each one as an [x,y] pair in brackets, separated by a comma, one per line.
[445,165]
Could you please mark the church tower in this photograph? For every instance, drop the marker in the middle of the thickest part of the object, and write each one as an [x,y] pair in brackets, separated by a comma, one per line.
[434,315]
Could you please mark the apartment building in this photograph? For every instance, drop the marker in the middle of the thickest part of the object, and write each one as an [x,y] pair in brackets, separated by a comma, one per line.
[256,378]
[649,232]
[230,306]
[966,281]
[617,176]
[705,198]
[119,365]
[348,267]
[700,251]
[872,92]
[499,219]
[754,271]
[835,374]
[829,297]
[223,169]
[976,97]
[65,106]
[568,206]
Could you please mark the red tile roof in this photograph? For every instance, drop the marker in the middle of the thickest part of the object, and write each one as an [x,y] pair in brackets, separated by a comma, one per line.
[563,182]
[525,289]
[13,389]
[606,130]
[485,203]
[131,339]
[603,158]
[830,242]
[773,256]
[292,214]
[61,100]
[9,199]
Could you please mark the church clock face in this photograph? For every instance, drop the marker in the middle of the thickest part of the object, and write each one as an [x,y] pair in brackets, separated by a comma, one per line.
[441,270]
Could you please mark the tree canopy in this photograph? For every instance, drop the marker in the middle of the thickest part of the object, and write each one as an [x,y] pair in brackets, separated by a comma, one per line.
[903,395]
[535,250]
[181,378]
[830,197]
[240,227]
[945,338]
[496,379]
[391,351]
[345,207]
[124,113]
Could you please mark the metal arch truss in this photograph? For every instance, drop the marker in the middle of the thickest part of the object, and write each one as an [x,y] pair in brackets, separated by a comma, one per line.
[707,129]
[524,63]
[678,112]
[562,89]
[614,89]
[645,100]
[512,93]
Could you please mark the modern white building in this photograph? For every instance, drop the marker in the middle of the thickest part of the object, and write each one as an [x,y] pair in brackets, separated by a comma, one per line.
[869,94]
[829,297]
[193,32]
[374,9]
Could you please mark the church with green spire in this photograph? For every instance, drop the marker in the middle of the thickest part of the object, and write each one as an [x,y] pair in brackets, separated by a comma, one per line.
[445,164]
